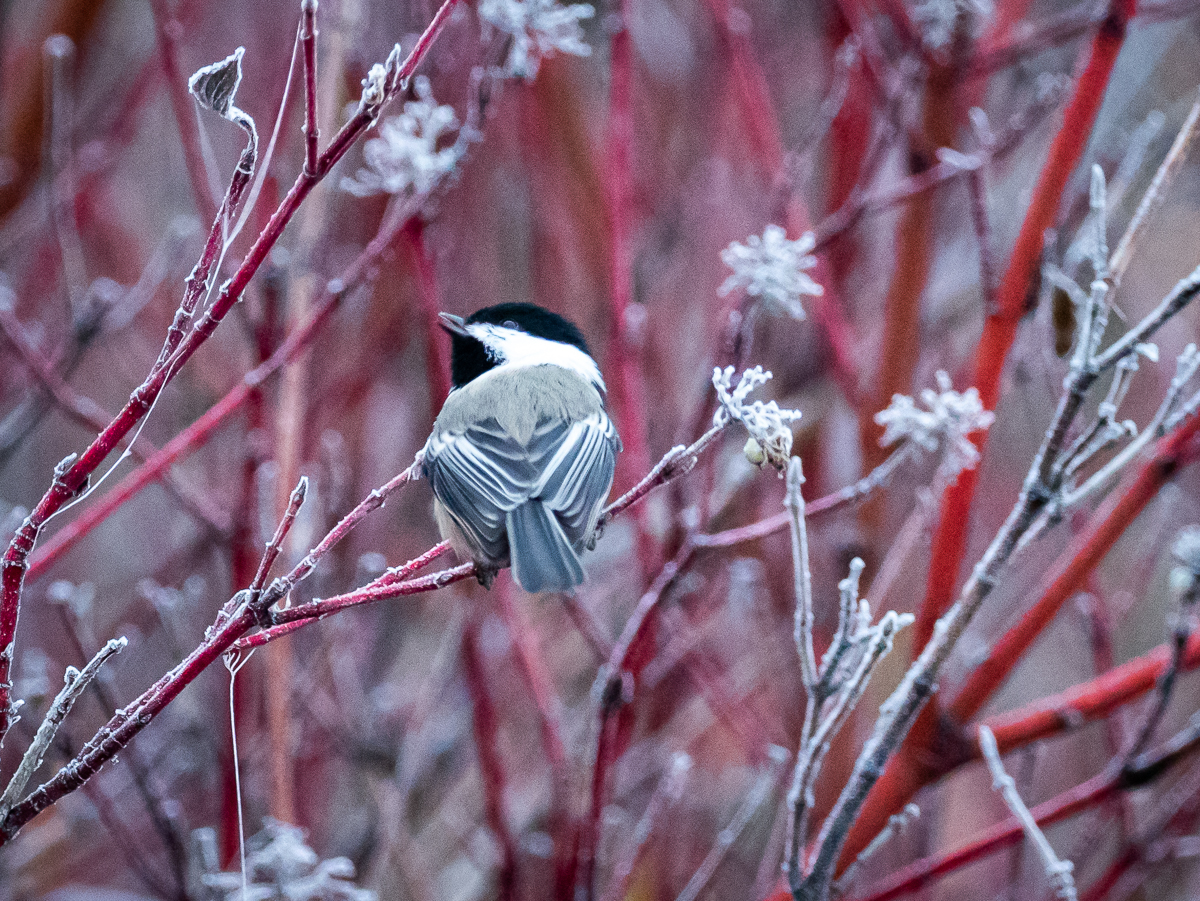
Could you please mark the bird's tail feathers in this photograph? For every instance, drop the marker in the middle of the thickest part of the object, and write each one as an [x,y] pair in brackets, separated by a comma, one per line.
[542,557]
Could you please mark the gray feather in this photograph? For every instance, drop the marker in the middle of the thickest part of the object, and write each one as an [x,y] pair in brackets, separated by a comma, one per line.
[542,559]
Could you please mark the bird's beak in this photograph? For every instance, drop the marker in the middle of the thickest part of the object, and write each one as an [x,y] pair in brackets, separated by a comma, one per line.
[453,324]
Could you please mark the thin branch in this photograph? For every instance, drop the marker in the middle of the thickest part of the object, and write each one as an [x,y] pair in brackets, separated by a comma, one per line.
[666,793]
[282,586]
[275,545]
[362,271]
[1155,193]
[1180,634]
[812,755]
[1000,326]
[851,494]
[381,85]
[88,413]
[1095,791]
[486,731]
[168,32]
[762,786]
[802,578]
[1057,871]
[76,682]
[677,461]
[896,825]
[308,44]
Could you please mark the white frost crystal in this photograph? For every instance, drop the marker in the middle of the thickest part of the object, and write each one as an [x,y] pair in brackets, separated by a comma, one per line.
[771,267]
[540,28]
[950,419]
[405,155]
[769,426]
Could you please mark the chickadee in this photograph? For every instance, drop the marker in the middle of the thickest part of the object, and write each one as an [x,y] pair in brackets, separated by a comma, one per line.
[522,454]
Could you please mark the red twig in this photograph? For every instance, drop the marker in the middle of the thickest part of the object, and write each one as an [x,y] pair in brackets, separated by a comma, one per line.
[919,874]
[754,99]
[624,364]
[128,722]
[437,358]
[487,735]
[1082,797]
[87,412]
[275,545]
[1109,523]
[308,47]
[531,666]
[360,271]
[914,237]
[71,475]
[629,657]
[910,770]
[1000,326]
[1090,701]
[281,587]
[169,31]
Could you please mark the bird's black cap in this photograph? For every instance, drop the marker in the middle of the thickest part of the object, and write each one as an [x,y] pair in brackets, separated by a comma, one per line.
[468,357]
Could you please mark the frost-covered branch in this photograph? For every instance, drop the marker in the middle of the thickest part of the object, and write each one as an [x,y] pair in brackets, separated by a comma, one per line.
[1058,871]
[76,682]
[838,684]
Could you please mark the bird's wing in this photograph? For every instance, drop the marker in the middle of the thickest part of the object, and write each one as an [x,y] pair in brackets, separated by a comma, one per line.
[577,474]
[481,473]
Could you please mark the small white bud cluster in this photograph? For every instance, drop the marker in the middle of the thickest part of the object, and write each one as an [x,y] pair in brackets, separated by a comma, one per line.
[938,20]
[949,421]
[539,28]
[405,156]
[280,864]
[1186,549]
[769,426]
[771,268]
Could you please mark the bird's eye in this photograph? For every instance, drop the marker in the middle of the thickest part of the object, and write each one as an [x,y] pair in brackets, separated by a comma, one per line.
[508,323]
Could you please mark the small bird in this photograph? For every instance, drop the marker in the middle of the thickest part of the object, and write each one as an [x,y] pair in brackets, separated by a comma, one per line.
[522,455]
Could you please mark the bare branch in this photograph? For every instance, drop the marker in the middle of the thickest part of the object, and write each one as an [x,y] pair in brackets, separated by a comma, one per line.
[802,578]
[76,682]
[1057,871]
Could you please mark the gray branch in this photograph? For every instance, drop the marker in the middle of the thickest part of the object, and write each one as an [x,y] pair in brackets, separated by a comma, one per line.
[76,682]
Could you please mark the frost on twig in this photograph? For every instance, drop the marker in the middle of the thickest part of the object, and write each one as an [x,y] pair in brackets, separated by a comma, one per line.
[769,426]
[405,158]
[771,268]
[836,686]
[382,82]
[1058,871]
[948,423]
[895,827]
[279,864]
[539,29]
[76,681]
